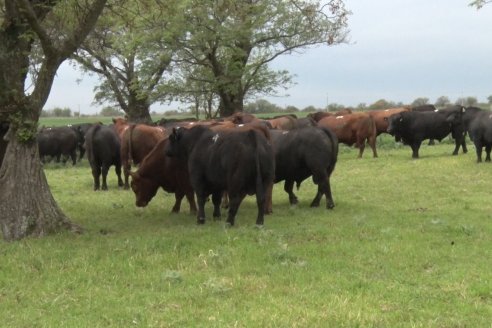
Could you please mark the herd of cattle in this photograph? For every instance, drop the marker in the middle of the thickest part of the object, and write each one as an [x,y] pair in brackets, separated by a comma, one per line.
[230,158]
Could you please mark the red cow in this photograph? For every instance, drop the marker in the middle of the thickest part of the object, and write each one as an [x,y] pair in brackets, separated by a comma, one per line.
[158,170]
[381,117]
[352,129]
[137,141]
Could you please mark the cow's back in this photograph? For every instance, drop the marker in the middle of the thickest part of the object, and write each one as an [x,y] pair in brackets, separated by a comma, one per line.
[102,145]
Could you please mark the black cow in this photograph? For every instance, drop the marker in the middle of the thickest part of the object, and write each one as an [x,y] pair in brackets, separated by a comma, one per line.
[57,141]
[238,162]
[480,130]
[414,127]
[302,153]
[80,130]
[103,150]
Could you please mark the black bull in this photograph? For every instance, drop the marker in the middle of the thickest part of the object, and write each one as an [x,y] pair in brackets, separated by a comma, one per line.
[240,163]
[414,127]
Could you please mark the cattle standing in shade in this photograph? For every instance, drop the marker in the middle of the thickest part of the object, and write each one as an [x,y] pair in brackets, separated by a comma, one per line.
[103,150]
[240,163]
[353,129]
[57,141]
[80,130]
[481,134]
[158,170]
[414,127]
[302,153]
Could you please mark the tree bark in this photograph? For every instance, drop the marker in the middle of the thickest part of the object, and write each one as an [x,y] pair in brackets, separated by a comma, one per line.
[26,205]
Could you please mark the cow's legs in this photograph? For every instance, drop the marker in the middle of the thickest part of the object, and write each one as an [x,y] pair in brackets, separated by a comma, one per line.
[288,187]
[105,170]
[463,144]
[488,147]
[234,202]
[324,188]
[201,199]
[73,156]
[478,147]
[361,146]
[178,197]
[117,169]
[261,198]
[372,142]
[190,196]
[268,200]
[415,149]
[216,201]
[126,173]
[457,144]
[96,173]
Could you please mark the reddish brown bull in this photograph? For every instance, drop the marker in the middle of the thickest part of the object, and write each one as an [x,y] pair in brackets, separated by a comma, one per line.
[138,140]
[353,129]
[158,170]
[381,117]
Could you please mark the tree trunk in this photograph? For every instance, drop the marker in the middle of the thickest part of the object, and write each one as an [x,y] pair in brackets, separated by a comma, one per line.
[26,205]
[139,111]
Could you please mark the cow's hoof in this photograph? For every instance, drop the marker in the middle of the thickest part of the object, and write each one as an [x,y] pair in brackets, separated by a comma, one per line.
[330,206]
[200,221]
[259,226]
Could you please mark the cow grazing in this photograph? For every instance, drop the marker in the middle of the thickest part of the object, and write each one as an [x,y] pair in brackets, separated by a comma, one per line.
[158,170]
[137,141]
[414,127]
[57,141]
[302,153]
[103,150]
[237,162]
[480,130]
[353,129]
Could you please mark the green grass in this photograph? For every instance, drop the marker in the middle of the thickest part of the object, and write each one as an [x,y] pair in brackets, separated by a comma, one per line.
[409,244]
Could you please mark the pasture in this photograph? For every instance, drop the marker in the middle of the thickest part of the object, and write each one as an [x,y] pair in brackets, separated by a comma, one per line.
[409,244]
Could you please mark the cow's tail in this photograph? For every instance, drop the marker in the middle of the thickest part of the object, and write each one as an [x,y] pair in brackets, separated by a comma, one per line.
[130,143]
[334,149]
[89,142]
[260,194]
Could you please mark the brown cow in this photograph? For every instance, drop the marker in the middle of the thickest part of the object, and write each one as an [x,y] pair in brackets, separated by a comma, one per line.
[381,117]
[284,122]
[352,129]
[317,116]
[158,170]
[137,141]
[120,126]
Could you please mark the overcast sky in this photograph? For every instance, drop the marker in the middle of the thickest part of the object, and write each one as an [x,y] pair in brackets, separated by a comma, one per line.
[399,50]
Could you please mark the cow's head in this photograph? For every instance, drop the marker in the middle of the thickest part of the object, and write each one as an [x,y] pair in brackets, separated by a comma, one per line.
[174,147]
[144,189]
[394,123]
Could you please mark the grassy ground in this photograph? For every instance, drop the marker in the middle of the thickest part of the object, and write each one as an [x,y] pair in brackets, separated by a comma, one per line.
[409,244]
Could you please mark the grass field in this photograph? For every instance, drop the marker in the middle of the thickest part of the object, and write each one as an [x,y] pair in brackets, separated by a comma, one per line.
[409,244]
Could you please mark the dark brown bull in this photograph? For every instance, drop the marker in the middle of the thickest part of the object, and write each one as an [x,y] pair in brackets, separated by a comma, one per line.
[353,129]
[317,116]
[158,170]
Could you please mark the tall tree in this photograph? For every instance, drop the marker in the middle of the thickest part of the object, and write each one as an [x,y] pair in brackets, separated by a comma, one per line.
[479,3]
[130,49]
[420,101]
[27,206]
[236,40]
[442,101]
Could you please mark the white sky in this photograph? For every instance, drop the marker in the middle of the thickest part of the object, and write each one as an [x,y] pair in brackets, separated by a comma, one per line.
[399,50]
